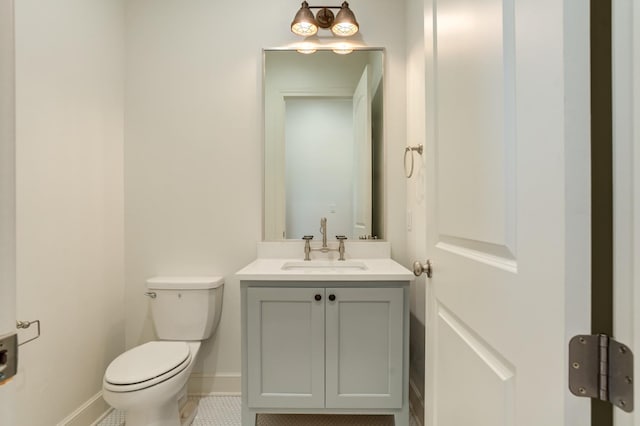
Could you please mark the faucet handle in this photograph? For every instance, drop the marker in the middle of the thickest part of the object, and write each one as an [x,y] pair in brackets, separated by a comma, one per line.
[307,246]
[341,239]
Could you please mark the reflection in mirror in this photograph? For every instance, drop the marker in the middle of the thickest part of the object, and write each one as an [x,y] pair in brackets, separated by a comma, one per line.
[323,144]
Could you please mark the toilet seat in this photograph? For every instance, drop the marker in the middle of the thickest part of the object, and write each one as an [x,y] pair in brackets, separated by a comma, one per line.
[146,365]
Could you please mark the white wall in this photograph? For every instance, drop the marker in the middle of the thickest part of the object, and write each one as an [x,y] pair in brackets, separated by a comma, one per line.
[416,206]
[416,101]
[193,151]
[69,124]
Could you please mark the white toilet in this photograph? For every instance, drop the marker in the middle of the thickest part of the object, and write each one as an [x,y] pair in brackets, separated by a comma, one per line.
[149,382]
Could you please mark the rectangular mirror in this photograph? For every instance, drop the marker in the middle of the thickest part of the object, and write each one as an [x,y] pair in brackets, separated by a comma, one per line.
[323,143]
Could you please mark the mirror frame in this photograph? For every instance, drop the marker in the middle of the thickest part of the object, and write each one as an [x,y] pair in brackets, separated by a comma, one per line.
[263,123]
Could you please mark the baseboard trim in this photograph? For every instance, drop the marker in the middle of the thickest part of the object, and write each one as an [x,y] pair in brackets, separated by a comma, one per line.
[214,384]
[87,413]
[96,408]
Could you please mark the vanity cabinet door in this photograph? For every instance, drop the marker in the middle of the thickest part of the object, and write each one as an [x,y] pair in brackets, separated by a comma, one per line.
[364,347]
[285,342]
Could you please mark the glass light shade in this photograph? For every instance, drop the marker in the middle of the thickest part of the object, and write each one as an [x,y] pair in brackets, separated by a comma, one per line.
[345,23]
[342,49]
[304,24]
[306,48]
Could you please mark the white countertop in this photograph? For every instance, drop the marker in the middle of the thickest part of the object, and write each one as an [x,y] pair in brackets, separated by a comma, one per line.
[295,269]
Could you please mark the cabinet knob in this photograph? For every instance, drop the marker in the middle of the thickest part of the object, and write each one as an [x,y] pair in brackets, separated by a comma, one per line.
[318,297]
[332,297]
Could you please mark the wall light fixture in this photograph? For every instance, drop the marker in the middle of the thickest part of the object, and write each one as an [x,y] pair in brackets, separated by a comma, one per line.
[343,24]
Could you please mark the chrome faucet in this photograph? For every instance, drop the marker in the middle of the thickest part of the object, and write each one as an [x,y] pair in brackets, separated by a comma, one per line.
[325,248]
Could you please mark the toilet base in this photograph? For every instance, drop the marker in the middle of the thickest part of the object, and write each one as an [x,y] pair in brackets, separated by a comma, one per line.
[178,412]
[167,415]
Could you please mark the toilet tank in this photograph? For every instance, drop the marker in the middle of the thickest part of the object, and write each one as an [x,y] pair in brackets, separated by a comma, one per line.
[185,308]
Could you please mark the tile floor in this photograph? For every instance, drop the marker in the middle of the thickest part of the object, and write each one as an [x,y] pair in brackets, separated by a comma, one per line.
[225,411]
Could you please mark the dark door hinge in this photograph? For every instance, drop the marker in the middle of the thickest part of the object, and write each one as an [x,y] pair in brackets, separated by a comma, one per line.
[601,368]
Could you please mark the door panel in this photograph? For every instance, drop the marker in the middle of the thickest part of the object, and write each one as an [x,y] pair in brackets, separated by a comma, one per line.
[364,353]
[475,137]
[285,329]
[488,380]
[507,178]
[474,167]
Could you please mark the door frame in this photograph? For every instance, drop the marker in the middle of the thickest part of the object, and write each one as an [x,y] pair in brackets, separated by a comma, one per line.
[7,168]
[626,182]
[602,223]
[7,194]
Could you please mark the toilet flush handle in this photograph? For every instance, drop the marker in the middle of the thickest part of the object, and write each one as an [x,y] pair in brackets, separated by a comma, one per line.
[151,294]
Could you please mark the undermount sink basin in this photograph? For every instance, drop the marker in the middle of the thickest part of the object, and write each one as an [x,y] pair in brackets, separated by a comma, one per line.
[324,266]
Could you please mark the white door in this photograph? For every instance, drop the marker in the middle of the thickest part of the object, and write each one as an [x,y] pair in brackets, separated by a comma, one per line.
[362,156]
[7,198]
[626,167]
[508,219]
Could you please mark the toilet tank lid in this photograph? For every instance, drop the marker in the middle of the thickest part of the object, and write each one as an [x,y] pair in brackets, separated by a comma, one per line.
[184,283]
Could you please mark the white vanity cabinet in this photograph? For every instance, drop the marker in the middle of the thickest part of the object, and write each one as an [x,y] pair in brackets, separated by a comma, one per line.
[325,347]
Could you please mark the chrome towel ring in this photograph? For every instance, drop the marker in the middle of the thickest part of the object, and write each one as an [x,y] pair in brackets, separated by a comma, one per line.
[408,150]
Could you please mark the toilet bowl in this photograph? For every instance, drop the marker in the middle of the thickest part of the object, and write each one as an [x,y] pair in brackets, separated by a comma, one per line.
[146,382]
[149,382]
